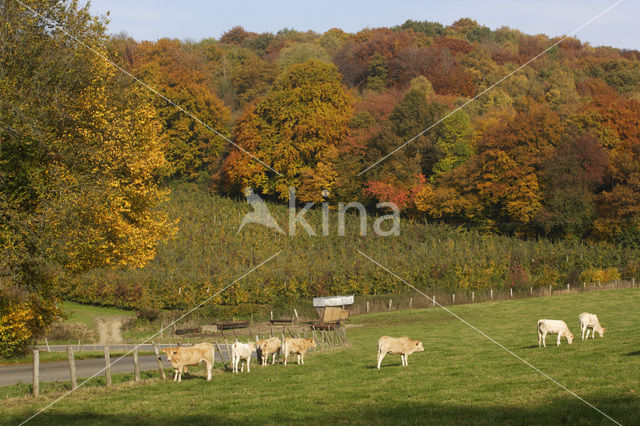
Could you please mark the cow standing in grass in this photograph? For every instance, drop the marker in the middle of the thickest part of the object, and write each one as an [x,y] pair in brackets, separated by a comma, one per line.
[402,346]
[590,321]
[268,347]
[194,355]
[242,352]
[558,327]
[297,346]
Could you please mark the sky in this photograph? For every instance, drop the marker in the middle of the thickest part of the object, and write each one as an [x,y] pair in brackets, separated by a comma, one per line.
[198,19]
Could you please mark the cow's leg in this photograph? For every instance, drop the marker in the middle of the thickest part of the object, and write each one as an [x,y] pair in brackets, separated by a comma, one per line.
[544,339]
[559,336]
[298,359]
[209,367]
[406,360]
[588,330]
[302,357]
[593,333]
[286,355]
[180,373]
[273,359]
[380,358]
[582,330]
[539,339]
[249,364]
[175,374]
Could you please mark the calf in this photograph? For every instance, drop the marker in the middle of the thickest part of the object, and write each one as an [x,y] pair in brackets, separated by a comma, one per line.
[297,346]
[268,347]
[558,327]
[194,355]
[242,351]
[590,321]
[402,346]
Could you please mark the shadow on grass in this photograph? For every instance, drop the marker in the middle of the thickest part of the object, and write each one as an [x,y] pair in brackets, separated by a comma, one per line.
[636,353]
[565,410]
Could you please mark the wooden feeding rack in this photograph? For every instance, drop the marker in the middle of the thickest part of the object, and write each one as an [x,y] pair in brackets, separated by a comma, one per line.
[230,325]
[331,310]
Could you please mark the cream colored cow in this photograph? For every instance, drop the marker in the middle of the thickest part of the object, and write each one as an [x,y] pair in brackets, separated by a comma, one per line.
[590,321]
[268,347]
[297,346]
[193,355]
[402,346]
[546,326]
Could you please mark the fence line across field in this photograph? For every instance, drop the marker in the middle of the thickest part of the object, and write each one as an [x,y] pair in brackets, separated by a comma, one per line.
[325,339]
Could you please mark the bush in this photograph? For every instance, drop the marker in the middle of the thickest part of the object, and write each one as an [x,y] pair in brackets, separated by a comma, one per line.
[148,314]
[70,331]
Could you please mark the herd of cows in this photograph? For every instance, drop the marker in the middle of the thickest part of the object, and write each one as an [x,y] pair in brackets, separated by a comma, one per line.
[182,357]
[588,322]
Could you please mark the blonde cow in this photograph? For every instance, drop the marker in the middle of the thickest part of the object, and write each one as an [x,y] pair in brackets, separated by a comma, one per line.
[193,355]
[590,321]
[268,347]
[402,346]
[240,352]
[546,326]
[297,346]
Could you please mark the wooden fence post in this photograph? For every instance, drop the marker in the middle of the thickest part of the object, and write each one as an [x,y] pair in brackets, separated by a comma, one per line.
[36,373]
[410,302]
[221,357]
[549,290]
[47,343]
[390,301]
[633,283]
[453,299]
[136,366]
[491,291]
[367,306]
[511,293]
[155,350]
[584,286]
[72,368]
[473,296]
[531,290]
[568,286]
[107,364]
[295,311]
[434,300]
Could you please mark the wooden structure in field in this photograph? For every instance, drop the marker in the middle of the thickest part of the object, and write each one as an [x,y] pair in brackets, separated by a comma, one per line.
[331,310]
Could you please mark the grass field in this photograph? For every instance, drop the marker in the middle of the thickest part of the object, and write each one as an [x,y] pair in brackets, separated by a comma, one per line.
[460,378]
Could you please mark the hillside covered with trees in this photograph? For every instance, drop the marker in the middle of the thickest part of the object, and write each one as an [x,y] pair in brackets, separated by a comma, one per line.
[551,151]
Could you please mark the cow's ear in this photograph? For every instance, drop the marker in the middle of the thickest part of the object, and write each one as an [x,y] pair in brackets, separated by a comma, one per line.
[417,343]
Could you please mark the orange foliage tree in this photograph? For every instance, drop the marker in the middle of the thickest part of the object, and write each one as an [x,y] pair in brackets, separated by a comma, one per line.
[295,129]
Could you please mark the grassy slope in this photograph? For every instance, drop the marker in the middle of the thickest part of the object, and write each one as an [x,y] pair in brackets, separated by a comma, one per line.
[86,314]
[460,378]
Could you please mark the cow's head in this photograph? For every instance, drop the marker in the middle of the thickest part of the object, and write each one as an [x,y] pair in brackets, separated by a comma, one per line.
[311,343]
[570,338]
[419,347]
[170,352]
[601,331]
